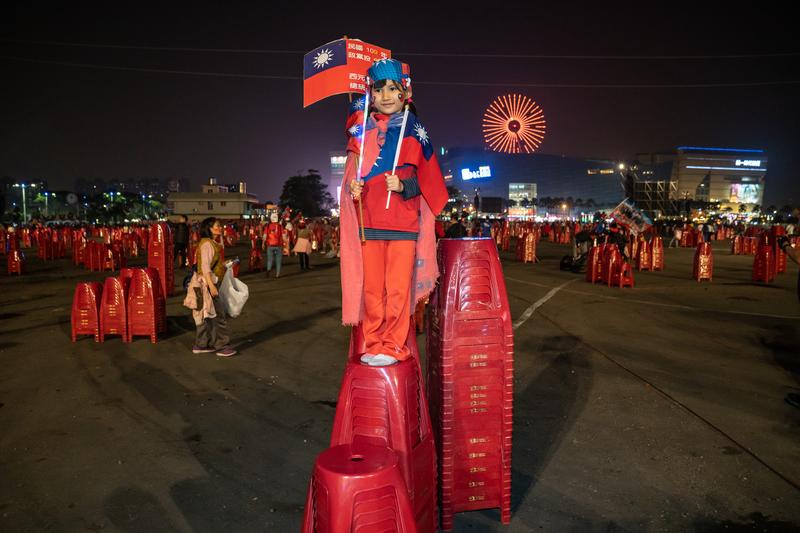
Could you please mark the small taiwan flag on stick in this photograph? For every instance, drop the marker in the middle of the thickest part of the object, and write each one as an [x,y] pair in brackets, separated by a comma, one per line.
[338,67]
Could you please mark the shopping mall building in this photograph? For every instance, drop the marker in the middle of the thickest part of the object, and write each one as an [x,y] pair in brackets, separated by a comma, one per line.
[658,182]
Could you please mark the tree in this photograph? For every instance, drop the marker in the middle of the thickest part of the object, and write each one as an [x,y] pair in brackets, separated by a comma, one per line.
[307,194]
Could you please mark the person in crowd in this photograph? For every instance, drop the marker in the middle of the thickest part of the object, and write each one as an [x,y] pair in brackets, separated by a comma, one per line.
[273,244]
[677,234]
[456,229]
[180,238]
[303,245]
[209,311]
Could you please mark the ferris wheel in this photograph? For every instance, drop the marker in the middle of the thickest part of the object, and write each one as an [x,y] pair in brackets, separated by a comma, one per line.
[513,124]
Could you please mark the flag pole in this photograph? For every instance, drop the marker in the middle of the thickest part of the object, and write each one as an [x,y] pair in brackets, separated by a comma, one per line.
[361,156]
[397,151]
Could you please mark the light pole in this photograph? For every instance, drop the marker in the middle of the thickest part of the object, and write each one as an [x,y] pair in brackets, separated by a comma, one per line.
[24,200]
[46,205]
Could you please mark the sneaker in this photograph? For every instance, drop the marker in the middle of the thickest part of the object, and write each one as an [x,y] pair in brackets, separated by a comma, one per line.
[226,351]
[198,349]
[367,357]
[382,360]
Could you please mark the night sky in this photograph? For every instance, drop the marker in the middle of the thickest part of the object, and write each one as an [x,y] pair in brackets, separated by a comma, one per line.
[60,122]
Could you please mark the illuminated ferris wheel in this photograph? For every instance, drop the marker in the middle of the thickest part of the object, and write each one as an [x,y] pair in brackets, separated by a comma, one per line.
[513,124]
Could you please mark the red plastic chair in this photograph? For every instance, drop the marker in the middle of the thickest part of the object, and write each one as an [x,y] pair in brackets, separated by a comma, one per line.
[357,489]
[386,406]
[113,308]
[85,310]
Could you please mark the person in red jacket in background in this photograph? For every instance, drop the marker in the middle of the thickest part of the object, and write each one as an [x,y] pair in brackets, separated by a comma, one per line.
[383,277]
[273,244]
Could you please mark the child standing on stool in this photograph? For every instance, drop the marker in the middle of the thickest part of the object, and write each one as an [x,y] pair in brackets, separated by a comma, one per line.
[383,277]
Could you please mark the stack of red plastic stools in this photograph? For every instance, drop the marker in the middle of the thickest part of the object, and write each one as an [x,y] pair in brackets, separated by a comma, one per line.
[703,262]
[763,264]
[644,261]
[85,310]
[621,275]
[256,261]
[358,489]
[16,261]
[593,262]
[160,255]
[45,251]
[657,253]
[736,245]
[114,308]
[470,349]
[143,312]
[386,407]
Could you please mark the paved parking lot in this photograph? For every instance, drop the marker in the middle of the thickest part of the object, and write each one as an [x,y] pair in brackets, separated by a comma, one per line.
[657,408]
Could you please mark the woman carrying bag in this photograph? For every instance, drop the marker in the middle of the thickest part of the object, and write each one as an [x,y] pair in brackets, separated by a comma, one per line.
[202,296]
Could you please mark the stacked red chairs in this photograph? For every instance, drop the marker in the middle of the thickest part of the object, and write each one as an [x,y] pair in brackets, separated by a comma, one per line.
[386,407]
[45,251]
[86,310]
[143,305]
[114,308]
[256,261]
[16,261]
[657,253]
[593,264]
[611,263]
[703,268]
[161,256]
[357,488]
[470,350]
[764,264]
[644,261]
[621,275]
[737,245]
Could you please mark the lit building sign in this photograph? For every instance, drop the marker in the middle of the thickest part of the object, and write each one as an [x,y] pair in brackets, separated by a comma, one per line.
[748,163]
[482,172]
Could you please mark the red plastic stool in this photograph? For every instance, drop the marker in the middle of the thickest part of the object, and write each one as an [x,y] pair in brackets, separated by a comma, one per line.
[357,489]
[386,406]
[85,310]
[703,266]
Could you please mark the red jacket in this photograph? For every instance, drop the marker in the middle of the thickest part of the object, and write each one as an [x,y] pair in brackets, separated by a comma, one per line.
[272,234]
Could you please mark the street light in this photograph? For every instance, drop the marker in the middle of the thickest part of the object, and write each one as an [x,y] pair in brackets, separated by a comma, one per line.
[24,201]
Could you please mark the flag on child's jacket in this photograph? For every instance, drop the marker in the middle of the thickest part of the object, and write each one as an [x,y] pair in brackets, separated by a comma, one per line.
[338,67]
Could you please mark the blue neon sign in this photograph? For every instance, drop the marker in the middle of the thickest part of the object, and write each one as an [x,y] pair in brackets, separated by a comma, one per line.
[484,171]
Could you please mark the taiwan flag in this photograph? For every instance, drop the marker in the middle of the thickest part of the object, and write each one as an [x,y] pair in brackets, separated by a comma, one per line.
[338,67]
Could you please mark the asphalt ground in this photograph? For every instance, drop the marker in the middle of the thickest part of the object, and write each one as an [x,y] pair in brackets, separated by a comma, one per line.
[654,408]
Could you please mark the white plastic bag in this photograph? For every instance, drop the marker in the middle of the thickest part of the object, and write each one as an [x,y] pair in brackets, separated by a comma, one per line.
[233,293]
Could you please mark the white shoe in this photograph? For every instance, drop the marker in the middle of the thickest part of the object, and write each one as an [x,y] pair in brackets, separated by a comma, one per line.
[367,357]
[382,360]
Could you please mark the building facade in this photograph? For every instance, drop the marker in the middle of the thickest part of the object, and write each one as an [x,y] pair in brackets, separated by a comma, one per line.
[214,201]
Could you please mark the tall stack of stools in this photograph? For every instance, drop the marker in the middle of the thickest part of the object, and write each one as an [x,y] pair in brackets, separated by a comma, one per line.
[594,264]
[86,310]
[764,261]
[470,350]
[143,304]
[644,261]
[256,261]
[703,262]
[780,256]
[737,244]
[16,261]
[161,256]
[380,472]
[657,253]
[113,308]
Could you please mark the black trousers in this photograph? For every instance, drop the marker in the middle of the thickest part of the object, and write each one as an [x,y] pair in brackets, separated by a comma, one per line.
[303,261]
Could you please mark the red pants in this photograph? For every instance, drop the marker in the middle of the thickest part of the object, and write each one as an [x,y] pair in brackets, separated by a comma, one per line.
[388,269]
